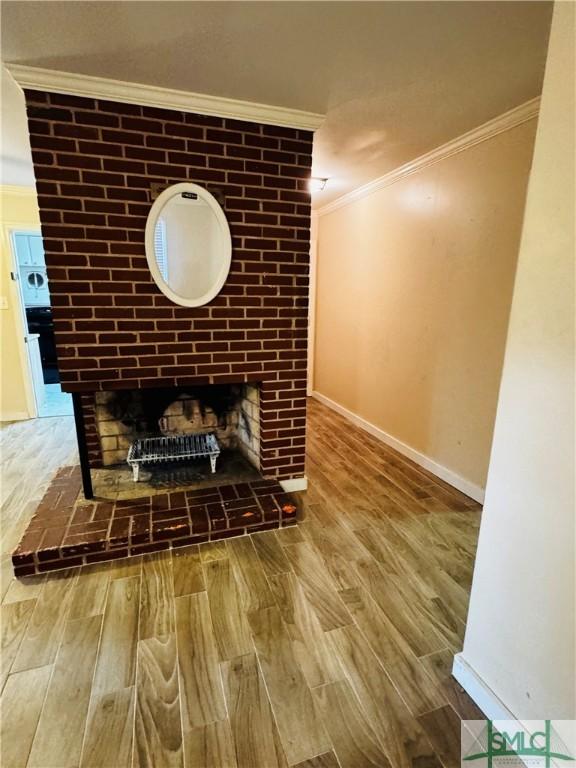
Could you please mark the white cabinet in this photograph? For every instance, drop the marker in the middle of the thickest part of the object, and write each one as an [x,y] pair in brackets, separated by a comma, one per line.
[22,249]
[36,248]
[29,249]
[32,269]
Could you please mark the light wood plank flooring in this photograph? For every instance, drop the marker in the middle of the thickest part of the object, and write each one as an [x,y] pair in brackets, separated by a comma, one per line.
[328,644]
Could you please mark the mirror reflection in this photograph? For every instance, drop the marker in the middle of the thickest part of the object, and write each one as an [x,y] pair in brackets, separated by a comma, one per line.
[189,237]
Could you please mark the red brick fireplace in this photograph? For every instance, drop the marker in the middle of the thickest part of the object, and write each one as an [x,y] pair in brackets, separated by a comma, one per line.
[96,165]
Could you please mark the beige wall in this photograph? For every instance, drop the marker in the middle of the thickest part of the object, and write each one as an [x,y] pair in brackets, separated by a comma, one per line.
[18,210]
[520,638]
[414,285]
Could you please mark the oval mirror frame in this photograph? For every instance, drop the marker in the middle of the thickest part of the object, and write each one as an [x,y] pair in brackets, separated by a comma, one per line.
[153,214]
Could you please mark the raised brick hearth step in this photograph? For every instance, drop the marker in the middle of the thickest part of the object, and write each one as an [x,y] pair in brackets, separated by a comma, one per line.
[66,530]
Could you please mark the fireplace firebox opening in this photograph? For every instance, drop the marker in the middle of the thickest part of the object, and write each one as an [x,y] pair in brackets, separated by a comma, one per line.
[210,419]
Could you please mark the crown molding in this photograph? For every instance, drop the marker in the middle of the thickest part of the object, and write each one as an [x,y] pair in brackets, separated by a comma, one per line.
[54,81]
[503,122]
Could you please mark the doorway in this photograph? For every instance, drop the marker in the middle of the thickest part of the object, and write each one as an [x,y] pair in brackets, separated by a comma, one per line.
[38,324]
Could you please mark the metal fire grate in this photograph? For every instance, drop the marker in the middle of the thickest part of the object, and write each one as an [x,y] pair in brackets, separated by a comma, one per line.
[152,450]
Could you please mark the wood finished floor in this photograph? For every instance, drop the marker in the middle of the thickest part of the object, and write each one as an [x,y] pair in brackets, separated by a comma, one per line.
[323,646]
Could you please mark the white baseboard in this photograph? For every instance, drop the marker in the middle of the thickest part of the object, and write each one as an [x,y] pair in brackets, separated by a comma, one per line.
[475,492]
[480,693]
[14,416]
[294,484]
[484,697]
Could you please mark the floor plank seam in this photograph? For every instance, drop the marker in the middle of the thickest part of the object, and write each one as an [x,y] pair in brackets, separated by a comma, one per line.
[137,666]
[90,703]
[53,669]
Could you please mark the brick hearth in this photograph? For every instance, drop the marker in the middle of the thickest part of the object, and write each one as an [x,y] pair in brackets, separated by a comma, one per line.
[67,530]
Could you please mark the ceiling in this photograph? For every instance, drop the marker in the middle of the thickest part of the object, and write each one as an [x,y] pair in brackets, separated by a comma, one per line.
[395,79]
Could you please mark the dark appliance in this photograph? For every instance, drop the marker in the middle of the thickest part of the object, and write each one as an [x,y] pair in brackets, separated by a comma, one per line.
[39,320]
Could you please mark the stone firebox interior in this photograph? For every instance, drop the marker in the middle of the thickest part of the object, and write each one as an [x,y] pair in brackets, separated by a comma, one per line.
[229,411]
[96,163]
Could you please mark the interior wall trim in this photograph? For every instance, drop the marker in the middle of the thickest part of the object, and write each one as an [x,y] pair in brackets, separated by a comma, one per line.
[485,698]
[479,691]
[475,492]
[54,81]
[12,189]
[16,305]
[504,122]
[294,484]
[15,416]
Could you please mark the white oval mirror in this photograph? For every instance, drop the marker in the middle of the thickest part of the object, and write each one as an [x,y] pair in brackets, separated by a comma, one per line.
[188,244]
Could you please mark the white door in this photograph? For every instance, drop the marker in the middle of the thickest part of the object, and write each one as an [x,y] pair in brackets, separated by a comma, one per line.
[32,282]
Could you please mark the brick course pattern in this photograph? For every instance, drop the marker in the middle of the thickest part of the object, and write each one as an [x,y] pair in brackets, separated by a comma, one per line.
[66,530]
[95,162]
